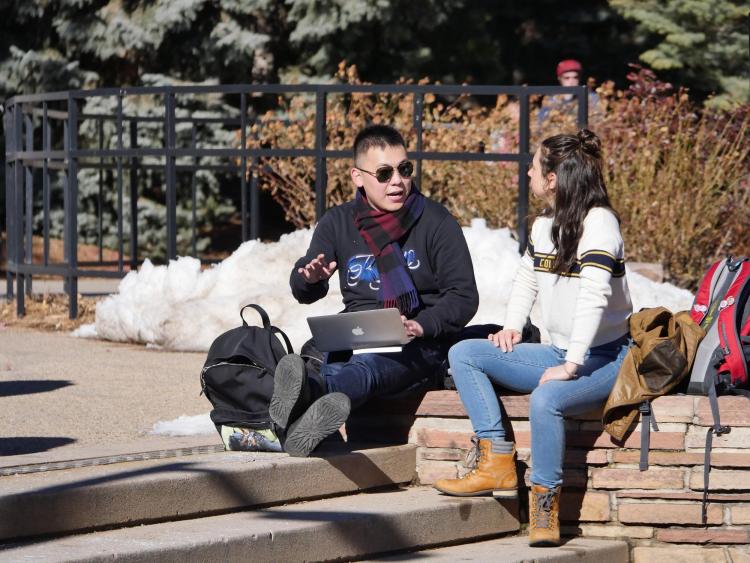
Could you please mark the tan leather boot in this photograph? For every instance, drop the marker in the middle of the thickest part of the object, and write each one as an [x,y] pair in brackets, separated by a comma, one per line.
[544,520]
[493,474]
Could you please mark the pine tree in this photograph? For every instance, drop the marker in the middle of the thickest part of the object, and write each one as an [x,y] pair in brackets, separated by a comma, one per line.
[701,44]
[59,45]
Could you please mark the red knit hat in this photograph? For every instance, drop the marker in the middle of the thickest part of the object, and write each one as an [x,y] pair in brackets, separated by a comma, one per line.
[567,65]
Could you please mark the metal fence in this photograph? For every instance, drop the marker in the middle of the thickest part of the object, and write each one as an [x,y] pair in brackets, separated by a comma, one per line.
[42,140]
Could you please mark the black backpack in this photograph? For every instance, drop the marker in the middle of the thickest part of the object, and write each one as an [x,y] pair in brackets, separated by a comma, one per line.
[238,374]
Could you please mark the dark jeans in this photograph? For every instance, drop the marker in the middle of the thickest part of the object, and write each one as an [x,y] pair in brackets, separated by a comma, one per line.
[364,376]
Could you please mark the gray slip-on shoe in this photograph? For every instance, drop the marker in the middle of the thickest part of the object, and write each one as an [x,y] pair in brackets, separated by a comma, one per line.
[289,390]
[324,417]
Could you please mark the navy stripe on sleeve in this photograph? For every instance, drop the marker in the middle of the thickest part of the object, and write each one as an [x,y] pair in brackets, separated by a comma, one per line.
[605,261]
[594,258]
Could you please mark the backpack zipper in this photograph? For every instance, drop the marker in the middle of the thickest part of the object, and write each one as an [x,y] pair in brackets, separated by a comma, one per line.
[724,348]
[250,363]
[206,368]
[313,358]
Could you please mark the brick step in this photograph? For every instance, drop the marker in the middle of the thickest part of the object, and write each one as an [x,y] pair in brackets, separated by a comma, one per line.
[683,420]
[344,528]
[516,550]
[605,495]
[126,494]
[735,411]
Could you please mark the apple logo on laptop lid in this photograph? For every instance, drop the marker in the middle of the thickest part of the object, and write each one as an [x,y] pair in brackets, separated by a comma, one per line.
[357,331]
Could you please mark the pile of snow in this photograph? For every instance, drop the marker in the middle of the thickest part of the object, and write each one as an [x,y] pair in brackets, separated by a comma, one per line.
[181,307]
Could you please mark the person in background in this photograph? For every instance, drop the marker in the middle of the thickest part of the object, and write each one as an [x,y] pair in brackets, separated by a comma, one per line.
[574,267]
[569,73]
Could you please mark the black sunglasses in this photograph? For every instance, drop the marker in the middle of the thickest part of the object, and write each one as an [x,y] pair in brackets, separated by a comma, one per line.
[385,173]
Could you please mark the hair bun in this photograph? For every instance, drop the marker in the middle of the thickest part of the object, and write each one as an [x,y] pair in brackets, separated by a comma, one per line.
[590,143]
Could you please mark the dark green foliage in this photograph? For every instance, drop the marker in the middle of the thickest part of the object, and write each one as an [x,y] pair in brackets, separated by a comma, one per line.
[702,45]
[116,42]
[479,41]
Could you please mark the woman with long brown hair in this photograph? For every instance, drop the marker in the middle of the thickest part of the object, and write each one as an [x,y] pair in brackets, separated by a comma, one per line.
[574,267]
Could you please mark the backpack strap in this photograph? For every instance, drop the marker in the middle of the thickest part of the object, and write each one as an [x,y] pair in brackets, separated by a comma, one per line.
[717,303]
[285,338]
[717,429]
[703,296]
[648,420]
[731,309]
[263,315]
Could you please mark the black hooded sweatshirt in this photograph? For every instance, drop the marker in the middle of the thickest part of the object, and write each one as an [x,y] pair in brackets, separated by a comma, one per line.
[435,251]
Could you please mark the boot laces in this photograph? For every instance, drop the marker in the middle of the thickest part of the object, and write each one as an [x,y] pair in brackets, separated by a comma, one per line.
[543,502]
[474,455]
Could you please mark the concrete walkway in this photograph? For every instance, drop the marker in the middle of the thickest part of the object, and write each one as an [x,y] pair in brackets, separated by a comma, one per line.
[68,398]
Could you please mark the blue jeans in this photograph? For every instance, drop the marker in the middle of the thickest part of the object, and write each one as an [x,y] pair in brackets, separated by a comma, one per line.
[364,376]
[477,364]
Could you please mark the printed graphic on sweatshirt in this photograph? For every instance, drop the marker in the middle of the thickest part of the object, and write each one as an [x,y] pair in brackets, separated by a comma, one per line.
[594,258]
[364,269]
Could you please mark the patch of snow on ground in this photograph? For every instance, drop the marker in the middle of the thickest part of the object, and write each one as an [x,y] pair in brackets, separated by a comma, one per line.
[184,425]
[85,331]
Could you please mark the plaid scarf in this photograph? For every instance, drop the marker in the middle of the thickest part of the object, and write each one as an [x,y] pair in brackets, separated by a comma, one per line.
[381,231]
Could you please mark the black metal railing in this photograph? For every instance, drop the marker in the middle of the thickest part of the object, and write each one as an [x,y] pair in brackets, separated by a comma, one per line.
[30,122]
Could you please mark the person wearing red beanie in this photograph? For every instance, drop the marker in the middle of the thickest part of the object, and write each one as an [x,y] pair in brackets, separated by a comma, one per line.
[569,73]
[569,69]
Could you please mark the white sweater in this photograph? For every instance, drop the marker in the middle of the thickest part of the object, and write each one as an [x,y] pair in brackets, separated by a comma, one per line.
[588,307]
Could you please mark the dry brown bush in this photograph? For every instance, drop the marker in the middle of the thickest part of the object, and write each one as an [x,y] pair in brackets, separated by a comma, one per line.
[679,178]
[476,189]
[48,312]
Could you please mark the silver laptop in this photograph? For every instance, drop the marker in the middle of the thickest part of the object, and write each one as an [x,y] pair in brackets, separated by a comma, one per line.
[378,330]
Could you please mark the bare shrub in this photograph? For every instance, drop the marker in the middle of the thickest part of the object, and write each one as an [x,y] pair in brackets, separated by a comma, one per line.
[678,176]
[468,189]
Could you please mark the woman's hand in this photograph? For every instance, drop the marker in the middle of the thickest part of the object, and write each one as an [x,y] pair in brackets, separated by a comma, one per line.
[413,328]
[505,339]
[563,372]
[317,269]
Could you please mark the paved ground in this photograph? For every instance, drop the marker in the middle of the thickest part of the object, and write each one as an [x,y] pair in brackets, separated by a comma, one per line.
[66,398]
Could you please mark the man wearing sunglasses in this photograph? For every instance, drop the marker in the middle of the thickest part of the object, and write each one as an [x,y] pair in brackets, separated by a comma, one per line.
[392,247]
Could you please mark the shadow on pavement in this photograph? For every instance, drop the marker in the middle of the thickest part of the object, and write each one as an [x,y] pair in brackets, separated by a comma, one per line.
[28,387]
[31,445]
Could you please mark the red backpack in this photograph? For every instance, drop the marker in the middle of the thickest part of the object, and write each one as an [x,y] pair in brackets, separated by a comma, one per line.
[722,362]
[722,308]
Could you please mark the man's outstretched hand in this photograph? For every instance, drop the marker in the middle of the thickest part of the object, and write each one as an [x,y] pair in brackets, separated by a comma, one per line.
[317,269]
